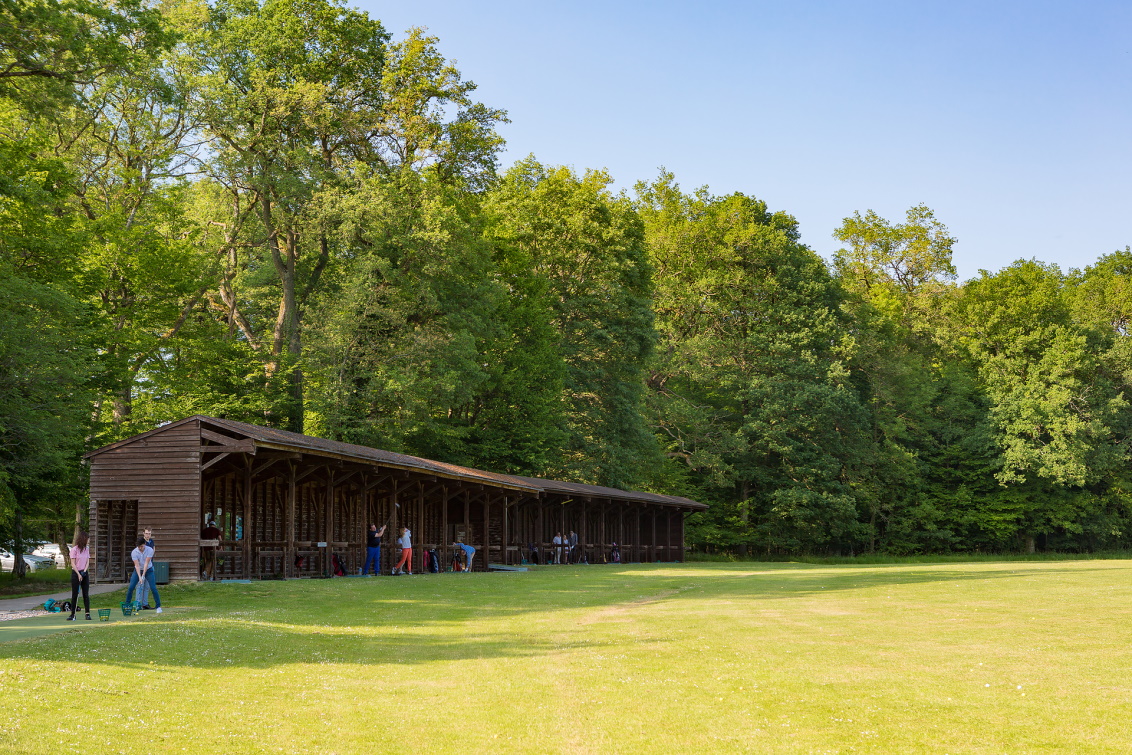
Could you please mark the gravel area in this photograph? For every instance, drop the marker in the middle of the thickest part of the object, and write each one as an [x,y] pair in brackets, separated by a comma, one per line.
[10,615]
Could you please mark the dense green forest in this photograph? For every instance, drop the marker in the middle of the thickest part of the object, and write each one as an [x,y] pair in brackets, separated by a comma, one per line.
[280,213]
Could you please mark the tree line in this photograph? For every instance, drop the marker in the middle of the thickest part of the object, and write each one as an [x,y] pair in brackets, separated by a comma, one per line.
[279,213]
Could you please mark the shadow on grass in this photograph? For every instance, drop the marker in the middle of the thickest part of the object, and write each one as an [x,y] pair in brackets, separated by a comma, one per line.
[433,618]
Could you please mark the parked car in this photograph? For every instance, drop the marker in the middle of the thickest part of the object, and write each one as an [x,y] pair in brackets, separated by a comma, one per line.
[51,550]
[34,563]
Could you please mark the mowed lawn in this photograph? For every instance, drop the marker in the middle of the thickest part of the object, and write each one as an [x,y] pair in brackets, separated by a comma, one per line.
[942,658]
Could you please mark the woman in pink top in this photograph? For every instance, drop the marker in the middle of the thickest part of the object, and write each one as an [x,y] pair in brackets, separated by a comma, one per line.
[80,560]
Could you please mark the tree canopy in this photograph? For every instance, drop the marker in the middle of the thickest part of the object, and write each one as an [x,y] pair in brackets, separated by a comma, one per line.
[279,211]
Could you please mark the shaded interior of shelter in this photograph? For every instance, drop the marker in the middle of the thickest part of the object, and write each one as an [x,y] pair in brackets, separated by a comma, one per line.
[288,504]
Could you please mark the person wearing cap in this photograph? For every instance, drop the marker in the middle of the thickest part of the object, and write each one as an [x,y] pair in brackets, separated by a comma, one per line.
[469,554]
[373,549]
[406,543]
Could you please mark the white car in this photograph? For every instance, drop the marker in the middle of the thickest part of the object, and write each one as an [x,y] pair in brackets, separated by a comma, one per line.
[51,550]
[34,563]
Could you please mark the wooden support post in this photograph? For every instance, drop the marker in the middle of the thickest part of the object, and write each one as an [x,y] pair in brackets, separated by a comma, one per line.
[444,526]
[683,543]
[421,522]
[289,566]
[584,533]
[246,530]
[654,559]
[621,530]
[601,533]
[541,531]
[506,537]
[396,514]
[467,516]
[486,528]
[637,534]
[328,523]
[668,536]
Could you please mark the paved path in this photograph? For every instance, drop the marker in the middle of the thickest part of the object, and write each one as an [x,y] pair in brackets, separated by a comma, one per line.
[35,601]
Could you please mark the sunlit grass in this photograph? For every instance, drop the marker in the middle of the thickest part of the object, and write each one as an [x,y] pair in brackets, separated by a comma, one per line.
[982,657]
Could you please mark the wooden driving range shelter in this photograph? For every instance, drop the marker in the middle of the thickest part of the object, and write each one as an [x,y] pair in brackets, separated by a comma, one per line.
[287,503]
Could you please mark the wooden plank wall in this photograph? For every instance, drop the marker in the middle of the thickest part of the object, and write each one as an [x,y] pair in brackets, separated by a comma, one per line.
[162,473]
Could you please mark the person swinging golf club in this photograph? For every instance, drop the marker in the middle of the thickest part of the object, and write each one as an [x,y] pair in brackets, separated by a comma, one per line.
[406,543]
[373,549]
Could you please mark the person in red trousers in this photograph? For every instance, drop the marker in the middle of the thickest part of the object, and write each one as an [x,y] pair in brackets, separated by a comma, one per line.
[406,543]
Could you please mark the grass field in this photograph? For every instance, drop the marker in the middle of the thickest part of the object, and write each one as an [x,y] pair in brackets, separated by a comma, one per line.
[35,583]
[943,658]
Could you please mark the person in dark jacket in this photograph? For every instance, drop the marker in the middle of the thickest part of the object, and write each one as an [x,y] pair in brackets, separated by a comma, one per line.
[373,549]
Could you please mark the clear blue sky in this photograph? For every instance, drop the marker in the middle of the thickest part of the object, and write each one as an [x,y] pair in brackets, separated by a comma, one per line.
[1012,120]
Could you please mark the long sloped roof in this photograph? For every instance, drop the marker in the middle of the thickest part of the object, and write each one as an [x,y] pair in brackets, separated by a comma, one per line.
[275,438]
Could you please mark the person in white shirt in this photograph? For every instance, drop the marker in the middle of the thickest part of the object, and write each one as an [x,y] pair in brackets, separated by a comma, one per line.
[406,543]
[141,556]
[557,547]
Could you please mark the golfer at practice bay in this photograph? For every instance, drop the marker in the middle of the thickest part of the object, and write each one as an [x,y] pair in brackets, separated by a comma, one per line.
[469,554]
[141,556]
[406,543]
[373,549]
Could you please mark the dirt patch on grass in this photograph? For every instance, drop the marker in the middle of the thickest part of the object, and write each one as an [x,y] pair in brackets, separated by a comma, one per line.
[622,610]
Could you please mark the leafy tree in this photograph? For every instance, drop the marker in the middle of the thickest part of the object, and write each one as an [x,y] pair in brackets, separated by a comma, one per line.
[896,276]
[1054,411]
[907,255]
[750,384]
[583,254]
[50,48]
[45,352]
[302,100]
[132,146]
[402,337]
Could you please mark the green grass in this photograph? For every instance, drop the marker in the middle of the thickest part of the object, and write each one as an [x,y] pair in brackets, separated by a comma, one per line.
[35,583]
[937,658]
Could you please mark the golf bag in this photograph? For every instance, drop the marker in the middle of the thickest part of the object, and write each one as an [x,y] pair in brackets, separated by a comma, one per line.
[432,561]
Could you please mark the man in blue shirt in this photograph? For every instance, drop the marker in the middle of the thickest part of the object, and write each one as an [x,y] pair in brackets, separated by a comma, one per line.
[469,554]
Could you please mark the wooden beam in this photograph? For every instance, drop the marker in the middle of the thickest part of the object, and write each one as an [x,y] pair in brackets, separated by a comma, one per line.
[245,447]
[344,478]
[308,473]
[210,462]
[274,460]
[221,439]
[377,482]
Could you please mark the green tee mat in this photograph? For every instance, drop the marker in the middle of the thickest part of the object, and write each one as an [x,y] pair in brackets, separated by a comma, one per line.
[38,626]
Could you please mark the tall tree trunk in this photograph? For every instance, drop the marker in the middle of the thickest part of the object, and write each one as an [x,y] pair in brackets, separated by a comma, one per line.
[19,567]
[123,404]
[287,336]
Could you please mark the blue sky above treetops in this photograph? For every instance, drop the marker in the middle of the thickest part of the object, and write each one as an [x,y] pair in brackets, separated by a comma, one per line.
[1010,119]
